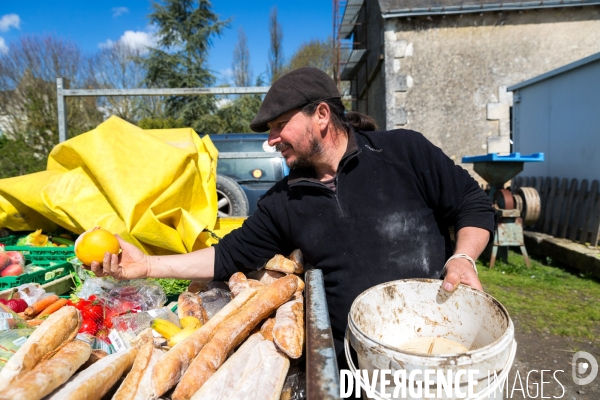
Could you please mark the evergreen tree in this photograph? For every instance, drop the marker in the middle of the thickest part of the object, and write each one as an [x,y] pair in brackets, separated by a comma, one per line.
[185,30]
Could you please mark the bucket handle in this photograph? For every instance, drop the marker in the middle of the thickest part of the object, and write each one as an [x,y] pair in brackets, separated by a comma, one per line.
[482,395]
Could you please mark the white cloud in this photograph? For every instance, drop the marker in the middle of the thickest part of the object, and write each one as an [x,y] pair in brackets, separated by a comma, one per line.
[135,39]
[118,11]
[9,20]
[106,45]
[226,73]
[138,39]
[3,46]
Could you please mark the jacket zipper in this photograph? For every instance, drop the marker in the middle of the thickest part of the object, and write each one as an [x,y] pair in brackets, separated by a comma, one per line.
[335,195]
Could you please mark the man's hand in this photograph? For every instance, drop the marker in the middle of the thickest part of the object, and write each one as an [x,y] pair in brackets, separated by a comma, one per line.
[132,263]
[459,271]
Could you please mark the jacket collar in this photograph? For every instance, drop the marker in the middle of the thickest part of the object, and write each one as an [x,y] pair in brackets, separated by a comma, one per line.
[308,174]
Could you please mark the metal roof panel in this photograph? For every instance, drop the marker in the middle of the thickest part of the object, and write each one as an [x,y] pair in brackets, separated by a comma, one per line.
[557,71]
[404,8]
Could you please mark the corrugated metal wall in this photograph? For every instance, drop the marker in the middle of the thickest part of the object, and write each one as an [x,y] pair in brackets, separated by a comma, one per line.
[560,116]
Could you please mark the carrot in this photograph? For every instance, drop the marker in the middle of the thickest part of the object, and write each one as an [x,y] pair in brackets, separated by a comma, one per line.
[40,305]
[53,307]
[34,322]
[22,315]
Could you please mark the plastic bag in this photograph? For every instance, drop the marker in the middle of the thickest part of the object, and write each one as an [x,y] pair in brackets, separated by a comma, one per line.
[82,273]
[215,299]
[294,386]
[31,292]
[130,325]
[10,342]
[124,296]
[14,257]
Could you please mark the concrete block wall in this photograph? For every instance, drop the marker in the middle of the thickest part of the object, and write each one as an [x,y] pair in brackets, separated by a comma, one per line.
[446,77]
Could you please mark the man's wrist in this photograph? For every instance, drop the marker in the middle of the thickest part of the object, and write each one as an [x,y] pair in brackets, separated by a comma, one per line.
[463,256]
[148,262]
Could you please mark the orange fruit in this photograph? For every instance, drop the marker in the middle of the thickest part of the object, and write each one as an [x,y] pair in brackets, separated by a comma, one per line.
[92,245]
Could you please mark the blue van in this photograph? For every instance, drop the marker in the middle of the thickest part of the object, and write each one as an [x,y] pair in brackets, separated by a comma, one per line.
[247,167]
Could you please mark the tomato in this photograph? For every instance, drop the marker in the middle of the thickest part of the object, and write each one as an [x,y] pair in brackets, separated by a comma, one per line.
[103,335]
[107,323]
[88,326]
[82,304]
[94,312]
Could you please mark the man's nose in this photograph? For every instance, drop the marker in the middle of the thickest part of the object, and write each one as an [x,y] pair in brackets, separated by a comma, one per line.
[273,137]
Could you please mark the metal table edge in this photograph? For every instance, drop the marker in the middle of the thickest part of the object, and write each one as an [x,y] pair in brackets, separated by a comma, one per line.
[322,376]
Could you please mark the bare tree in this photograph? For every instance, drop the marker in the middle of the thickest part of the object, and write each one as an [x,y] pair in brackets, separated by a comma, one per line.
[242,73]
[121,66]
[28,73]
[276,50]
[315,53]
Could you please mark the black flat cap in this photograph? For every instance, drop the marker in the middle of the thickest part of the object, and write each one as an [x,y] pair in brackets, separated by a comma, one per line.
[294,90]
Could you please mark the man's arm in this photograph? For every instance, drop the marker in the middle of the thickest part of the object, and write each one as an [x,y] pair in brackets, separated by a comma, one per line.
[132,263]
[470,241]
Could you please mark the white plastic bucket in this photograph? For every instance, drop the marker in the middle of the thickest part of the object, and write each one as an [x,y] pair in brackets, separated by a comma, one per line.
[387,315]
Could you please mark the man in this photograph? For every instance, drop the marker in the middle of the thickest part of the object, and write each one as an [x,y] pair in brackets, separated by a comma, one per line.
[365,207]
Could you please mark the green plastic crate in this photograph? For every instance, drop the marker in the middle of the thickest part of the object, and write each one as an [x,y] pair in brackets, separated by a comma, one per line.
[9,240]
[52,270]
[41,254]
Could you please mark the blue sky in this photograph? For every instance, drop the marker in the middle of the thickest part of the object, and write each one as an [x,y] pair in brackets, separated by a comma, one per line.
[95,23]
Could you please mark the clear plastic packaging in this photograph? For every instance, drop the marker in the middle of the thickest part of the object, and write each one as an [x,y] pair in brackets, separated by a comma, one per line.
[214,300]
[131,325]
[124,296]
[10,342]
[31,292]
[295,385]
[15,257]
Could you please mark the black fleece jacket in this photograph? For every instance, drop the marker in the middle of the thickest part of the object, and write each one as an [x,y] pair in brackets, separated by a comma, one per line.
[396,196]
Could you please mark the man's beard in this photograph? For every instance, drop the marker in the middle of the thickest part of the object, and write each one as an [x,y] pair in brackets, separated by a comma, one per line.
[303,160]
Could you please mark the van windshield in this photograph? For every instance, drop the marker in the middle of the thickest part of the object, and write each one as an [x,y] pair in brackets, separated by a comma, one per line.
[244,169]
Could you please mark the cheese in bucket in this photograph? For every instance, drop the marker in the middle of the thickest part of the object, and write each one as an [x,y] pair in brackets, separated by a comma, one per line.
[418,334]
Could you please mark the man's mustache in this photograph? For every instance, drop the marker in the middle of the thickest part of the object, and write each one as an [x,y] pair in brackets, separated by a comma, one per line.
[282,147]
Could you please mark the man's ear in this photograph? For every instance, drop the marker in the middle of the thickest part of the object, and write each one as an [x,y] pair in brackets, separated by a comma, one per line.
[324,114]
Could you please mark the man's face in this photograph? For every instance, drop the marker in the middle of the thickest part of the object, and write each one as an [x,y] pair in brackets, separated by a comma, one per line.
[297,137]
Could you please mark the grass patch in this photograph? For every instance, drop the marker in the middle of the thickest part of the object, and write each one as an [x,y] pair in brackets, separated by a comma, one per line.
[545,298]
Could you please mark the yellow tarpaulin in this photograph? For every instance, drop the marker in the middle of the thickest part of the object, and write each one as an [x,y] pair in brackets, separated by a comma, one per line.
[156,188]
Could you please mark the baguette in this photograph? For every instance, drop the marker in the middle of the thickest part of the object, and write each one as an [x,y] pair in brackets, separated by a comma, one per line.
[97,380]
[56,331]
[298,258]
[176,361]
[95,356]
[267,328]
[232,333]
[288,332]
[145,390]
[253,283]
[237,283]
[197,286]
[190,304]
[264,374]
[131,387]
[223,382]
[49,374]
[300,284]
[281,264]
[265,276]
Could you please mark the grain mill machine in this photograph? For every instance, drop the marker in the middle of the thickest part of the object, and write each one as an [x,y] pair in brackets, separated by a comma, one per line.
[513,210]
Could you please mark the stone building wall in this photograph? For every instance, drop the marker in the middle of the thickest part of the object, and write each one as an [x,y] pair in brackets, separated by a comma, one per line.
[447,76]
